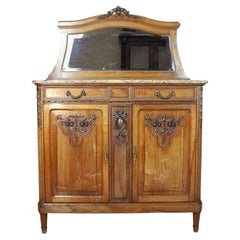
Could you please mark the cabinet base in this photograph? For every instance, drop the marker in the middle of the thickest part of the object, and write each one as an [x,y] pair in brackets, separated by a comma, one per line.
[45,208]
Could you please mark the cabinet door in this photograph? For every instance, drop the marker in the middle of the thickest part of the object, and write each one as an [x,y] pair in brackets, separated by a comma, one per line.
[164,159]
[76,153]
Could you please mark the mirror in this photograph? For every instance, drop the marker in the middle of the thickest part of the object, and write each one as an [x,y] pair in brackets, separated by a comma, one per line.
[118,49]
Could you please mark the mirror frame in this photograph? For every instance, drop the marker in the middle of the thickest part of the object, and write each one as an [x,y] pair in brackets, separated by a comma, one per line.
[118,18]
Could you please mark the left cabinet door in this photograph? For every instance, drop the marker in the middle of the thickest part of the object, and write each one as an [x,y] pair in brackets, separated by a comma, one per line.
[76,152]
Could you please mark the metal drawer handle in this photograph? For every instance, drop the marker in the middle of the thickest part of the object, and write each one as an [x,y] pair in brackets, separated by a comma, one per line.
[170,95]
[82,94]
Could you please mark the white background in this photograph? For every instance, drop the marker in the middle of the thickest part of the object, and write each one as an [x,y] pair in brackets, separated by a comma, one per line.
[208,42]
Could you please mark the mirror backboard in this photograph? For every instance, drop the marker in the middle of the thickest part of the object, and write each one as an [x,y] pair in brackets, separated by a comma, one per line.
[118,45]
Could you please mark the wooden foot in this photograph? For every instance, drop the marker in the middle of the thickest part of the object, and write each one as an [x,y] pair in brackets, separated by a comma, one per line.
[196,217]
[43,217]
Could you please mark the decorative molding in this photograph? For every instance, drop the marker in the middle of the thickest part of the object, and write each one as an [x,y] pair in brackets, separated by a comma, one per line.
[75,127]
[163,127]
[39,105]
[117,12]
[120,126]
[201,106]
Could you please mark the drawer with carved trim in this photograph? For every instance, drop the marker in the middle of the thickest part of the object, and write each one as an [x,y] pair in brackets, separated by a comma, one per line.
[157,93]
[75,94]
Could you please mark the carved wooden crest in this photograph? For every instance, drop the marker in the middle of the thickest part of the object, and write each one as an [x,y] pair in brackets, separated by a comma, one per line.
[117,12]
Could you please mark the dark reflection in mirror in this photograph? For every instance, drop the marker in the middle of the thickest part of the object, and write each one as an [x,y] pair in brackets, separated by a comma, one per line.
[118,49]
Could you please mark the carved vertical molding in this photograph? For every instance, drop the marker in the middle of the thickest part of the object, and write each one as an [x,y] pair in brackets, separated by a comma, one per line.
[39,105]
[120,153]
[163,127]
[201,106]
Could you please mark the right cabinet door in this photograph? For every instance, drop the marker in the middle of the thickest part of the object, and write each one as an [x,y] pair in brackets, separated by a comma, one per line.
[164,152]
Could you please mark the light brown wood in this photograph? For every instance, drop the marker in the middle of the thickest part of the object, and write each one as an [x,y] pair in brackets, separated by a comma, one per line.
[118,21]
[112,141]
[75,171]
[164,174]
[120,207]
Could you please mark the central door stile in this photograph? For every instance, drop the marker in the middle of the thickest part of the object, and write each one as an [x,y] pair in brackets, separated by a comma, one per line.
[120,136]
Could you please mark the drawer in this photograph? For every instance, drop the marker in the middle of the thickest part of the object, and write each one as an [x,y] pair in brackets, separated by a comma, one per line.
[164,93]
[120,92]
[76,93]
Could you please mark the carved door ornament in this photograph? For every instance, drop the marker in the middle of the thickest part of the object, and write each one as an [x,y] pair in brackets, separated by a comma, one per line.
[75,127]
[163,127]
[120,126]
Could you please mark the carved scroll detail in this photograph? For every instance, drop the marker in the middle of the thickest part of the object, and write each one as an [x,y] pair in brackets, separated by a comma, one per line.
[120,126]
[117,12]
[164,127]
[75,127]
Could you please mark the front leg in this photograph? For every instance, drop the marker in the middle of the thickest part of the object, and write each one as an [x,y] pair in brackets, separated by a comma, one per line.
[43,217]
[196,217]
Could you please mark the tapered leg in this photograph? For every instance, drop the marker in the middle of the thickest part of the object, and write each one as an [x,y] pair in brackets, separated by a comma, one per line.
[196,217]
[43,217]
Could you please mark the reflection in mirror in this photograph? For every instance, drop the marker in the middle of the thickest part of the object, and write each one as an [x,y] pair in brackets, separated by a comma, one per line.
[118,49]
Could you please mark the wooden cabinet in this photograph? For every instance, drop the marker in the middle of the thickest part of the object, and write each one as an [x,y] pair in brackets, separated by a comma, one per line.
[103,155]
[119,141]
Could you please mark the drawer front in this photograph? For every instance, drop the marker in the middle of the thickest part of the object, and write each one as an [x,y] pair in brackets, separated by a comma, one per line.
[119,92]
[164,93]
[77,93]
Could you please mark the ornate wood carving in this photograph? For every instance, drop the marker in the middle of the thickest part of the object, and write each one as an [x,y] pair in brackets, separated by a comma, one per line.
[39,105]
[120,126]
[75,127]
[164,127]
[117,12]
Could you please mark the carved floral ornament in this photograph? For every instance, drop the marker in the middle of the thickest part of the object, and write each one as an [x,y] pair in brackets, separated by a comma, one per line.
[117,12]
[75,127]
[120,126]
[163,127]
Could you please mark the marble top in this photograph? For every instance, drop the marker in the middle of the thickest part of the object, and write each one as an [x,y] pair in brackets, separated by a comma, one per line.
[121,81]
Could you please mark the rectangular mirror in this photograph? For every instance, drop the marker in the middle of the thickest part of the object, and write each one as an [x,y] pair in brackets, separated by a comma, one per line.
[118,49]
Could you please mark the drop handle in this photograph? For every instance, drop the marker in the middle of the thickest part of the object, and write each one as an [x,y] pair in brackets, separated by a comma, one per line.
[81,94]
[170,95]
[134,156]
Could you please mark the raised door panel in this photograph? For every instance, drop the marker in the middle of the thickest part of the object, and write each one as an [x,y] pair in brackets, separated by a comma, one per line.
[164,139]
[76,153]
